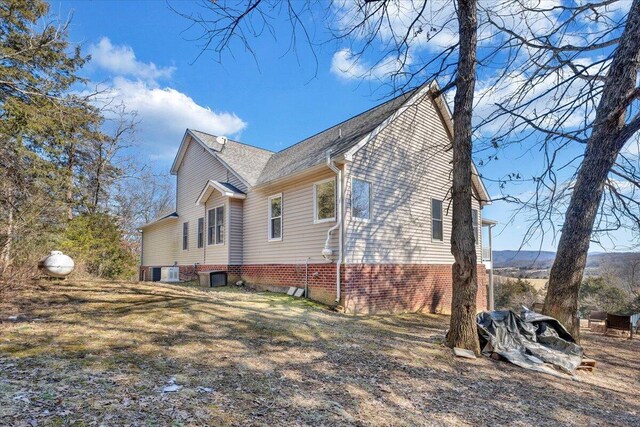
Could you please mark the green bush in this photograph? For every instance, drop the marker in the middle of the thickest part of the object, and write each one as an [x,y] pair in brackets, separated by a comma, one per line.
[597,294]
[512,294]
[95,242]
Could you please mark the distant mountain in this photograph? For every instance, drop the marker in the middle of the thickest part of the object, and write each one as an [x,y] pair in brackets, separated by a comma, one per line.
[544,259]
[523,259]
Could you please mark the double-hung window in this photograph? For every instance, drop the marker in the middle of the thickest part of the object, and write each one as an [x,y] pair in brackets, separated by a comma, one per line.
[474,219]
[360,199]
[275,217]
[324,195]
[200,232]
[215,226]
[436,220]
[220,225]
[185,236]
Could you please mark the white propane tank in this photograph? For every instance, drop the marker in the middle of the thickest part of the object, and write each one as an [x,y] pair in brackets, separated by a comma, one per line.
[56,264]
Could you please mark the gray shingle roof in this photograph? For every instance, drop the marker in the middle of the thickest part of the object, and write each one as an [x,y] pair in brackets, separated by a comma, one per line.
[246,160]
[258,166]
[313,150]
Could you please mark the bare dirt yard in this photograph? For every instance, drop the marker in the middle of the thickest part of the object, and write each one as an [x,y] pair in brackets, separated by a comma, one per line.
[100,353]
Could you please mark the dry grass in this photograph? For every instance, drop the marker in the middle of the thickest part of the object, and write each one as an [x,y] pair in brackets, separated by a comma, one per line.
[99,353]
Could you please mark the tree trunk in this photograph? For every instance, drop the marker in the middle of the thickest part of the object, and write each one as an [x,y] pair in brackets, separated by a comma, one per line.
[463,331]
[608,136]
[6,250]
[69,192]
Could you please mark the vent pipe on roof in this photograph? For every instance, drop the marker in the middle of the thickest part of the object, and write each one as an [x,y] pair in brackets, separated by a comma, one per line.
[339,132]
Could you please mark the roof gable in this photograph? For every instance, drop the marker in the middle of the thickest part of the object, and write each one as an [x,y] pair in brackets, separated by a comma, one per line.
[244,161]
[256,166]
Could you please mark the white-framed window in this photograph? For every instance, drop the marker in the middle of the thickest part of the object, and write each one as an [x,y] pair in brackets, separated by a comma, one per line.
[215,226]
[436,220]
[324,201]
[185,236]
[200,232]
[220,225]
[474,220]
[211,225]
[360,199]
[275,218]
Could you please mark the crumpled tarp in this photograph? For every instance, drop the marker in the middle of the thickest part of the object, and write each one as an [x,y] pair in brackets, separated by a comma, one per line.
[529,340]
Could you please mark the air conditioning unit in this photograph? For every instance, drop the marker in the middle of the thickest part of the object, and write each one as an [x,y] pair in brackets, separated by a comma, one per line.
[170,274]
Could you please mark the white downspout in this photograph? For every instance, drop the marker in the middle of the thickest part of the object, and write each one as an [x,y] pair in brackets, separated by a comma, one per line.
[327,252]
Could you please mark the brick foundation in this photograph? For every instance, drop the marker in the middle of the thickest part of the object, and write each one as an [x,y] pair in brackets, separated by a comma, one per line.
[394,288]
[321,278]
[366,288]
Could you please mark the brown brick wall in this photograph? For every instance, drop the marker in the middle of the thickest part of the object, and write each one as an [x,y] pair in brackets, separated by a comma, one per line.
[366,288]
[380,288]
[321,278]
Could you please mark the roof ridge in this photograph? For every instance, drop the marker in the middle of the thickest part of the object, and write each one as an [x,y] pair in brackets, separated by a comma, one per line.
[233,140]
[319,132]
[346,120]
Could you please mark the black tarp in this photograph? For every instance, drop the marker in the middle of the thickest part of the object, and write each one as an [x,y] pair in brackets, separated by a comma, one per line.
[529,340]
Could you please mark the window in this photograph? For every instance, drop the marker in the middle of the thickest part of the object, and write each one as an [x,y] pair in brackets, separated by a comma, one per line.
[215,226]
[211,224]
[474,220]
[275,217]
[436,219]
[220,225]
[185,236]
[200,232]
[324,194]
[360,199]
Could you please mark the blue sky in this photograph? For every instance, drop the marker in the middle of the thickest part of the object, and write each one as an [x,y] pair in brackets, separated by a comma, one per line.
[143,53]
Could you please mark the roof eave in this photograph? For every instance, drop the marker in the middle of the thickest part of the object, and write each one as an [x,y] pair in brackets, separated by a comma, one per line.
[210,186]
[172,216]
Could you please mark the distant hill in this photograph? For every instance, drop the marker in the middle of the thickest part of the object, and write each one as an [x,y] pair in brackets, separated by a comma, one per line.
[523,259]
[544,259]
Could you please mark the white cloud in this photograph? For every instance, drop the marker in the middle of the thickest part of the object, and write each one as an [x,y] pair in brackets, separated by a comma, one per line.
[121,60]
[348,66]
[163,112]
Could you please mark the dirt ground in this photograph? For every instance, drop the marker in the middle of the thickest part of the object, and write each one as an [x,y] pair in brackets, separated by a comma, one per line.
[100,353]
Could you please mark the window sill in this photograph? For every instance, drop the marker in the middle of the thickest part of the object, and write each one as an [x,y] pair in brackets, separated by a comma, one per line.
[275,240]
[320,221]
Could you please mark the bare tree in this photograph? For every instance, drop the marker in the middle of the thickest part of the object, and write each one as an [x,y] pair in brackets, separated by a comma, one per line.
[570,85]
[463,331]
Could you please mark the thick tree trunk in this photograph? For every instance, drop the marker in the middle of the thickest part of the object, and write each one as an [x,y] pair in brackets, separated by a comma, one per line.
[607,139]
[463,331]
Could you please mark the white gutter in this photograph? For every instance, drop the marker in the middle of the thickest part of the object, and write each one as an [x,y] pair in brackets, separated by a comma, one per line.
[327,252]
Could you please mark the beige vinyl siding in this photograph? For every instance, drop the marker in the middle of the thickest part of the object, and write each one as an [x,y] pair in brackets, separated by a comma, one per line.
[407,164]
[198,166]
[235,231]
[301,238]
[217,254]
[159,243]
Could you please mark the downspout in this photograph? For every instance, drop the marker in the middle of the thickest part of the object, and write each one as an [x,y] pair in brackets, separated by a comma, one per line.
[327,252]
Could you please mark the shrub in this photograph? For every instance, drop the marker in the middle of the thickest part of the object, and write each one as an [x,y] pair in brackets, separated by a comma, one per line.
[597,294]
[95,242]
[512,294]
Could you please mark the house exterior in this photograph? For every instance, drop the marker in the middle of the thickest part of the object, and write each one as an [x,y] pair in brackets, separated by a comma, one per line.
[358,214]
